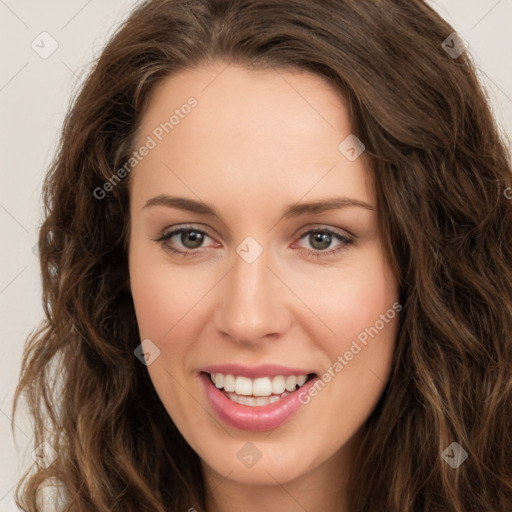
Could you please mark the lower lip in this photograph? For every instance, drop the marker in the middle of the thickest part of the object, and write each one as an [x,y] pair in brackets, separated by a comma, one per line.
[257,418]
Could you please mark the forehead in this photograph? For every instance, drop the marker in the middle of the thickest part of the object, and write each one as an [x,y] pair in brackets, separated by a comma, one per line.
[249,132]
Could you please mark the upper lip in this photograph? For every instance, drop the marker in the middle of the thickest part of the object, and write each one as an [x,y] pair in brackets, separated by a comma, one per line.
[253,372]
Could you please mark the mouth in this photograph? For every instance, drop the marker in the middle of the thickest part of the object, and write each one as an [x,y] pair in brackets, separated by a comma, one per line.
[259,404]
[260,391]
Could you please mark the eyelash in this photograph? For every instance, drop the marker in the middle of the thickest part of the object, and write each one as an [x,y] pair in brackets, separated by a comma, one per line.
[346,241]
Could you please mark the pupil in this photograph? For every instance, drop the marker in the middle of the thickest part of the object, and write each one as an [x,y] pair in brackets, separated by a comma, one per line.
[323,238]
[194,237]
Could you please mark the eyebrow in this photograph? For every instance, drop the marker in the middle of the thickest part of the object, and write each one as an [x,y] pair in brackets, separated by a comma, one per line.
[291,211]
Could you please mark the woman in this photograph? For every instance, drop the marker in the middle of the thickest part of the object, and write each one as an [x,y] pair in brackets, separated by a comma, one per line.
[276,268]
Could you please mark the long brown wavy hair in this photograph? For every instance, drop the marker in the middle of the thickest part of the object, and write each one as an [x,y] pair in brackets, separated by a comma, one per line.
[443,180]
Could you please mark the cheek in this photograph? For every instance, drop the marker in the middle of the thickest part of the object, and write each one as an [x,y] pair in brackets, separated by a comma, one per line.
[156,298]
[164,300]
[162,294]
[349,299]
[361,353]
[360,307]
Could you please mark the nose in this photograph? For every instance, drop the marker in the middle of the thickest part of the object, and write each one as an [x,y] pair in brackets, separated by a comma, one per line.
[252,302]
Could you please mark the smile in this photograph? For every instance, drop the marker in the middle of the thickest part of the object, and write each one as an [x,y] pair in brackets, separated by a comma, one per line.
[259,404]
[260,391]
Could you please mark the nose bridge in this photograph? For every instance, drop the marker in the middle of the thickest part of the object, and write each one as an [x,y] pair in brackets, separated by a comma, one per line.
[252,303]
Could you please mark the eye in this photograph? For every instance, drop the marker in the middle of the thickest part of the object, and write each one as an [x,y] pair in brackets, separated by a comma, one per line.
[191,240]
[189,237]
[321,239]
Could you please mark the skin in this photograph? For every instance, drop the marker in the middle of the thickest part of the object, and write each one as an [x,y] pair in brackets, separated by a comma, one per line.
[256,142]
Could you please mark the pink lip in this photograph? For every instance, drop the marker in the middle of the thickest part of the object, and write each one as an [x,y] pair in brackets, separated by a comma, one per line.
[259,418]
[253,372]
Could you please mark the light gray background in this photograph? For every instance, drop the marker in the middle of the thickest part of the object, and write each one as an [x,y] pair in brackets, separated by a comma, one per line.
[34,96]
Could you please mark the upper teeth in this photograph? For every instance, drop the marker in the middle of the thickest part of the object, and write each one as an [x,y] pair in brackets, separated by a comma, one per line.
[262,386]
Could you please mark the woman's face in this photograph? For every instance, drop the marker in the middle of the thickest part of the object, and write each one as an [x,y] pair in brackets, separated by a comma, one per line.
[269,278]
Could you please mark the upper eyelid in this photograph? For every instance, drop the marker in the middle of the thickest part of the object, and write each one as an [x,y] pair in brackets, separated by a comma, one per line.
[177,230]
[337,231]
